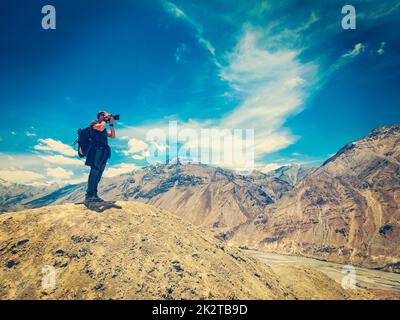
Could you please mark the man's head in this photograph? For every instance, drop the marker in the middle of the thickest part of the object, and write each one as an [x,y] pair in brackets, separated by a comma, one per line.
[101,115]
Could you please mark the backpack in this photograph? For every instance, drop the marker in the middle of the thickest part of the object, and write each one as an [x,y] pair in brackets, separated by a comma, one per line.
[84,141]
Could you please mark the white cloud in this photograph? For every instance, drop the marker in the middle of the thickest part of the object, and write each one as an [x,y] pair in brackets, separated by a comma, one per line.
[56,146]
[268,80]
[272,83]
[294,82]
[344,59]
[173,9]
[39,183]
[77,180]
[357,50]
[136,146]
[119,169]
[269,167]
[61,160]
[13,133]
[380,11]
[30,134]
[271,80]
[15,161]
[179,13]
[20,176]
[59,173]
[138,157]
[381,49]
[31,169]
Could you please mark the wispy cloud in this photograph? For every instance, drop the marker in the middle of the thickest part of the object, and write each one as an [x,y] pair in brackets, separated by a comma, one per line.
[120,169]
[380,9]
[59,173]
[345,58]
[358,49]
[56,146]
[46,165]
[273,86]
[61,160]
[30,134]
[18,161]
[381,49]
[173,9]
[138,157]
[20,176]
[269,167]
[136,145]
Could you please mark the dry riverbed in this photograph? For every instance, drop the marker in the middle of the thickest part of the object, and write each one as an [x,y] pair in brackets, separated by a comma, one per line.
[365,278]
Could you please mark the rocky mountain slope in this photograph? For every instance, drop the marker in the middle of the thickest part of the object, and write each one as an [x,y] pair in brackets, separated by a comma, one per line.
[14,196]
[138,252]
[203,195]
[346,211]
[292,173]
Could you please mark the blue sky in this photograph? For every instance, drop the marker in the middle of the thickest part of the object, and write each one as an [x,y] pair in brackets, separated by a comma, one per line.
[286,69]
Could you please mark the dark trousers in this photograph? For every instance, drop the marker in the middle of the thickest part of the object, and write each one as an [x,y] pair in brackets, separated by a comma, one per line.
[96,172]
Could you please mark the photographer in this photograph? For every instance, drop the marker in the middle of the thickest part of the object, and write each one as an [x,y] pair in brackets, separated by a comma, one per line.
[99,152]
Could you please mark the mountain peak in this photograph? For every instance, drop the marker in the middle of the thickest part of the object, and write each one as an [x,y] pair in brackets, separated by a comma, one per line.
[291,173]
[372,142]
[385,131]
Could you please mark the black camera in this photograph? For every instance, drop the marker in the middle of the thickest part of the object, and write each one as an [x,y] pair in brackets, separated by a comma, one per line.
[116,117]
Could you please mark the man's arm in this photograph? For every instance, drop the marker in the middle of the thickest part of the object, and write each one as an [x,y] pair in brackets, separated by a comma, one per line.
[111,133]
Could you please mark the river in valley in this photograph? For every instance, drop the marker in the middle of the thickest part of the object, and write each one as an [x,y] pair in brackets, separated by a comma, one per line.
[365,278]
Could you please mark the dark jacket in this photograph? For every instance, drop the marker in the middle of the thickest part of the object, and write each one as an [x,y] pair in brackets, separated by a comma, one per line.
[99,151]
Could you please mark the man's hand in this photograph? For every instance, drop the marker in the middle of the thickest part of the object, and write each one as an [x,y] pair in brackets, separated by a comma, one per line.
[111,133]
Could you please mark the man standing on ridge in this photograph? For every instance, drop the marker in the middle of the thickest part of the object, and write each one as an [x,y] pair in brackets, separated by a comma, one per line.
[99,152]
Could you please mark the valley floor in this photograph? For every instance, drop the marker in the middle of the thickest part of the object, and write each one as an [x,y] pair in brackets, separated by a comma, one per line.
[366,278]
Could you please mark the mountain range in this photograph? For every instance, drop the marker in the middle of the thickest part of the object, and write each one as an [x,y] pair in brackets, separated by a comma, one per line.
[205,196]
[346,210]
[13,196]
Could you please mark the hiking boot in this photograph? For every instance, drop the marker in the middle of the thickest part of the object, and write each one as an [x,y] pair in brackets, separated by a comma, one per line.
[90,199]
[98,199]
